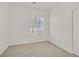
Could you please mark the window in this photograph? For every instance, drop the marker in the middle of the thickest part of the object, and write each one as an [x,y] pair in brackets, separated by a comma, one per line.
[38,24]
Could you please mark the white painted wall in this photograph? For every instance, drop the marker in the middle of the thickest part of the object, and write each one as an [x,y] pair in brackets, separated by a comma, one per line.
[22,22]
[4,26]
[61,27]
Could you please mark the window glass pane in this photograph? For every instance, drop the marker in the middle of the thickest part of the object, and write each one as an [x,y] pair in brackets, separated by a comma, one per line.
[38,24]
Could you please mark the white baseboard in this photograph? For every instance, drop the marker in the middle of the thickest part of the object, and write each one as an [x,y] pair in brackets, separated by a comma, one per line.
[60,45]
[2,49]
[26,42]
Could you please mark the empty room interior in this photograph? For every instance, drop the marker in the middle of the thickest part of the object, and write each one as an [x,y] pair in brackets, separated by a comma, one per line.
[39,29]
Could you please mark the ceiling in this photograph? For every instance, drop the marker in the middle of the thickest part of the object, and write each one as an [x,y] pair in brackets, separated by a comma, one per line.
[45,5]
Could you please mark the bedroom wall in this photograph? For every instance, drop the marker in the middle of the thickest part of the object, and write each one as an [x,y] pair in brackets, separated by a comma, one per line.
[22,18]
[61,27]
[4,26]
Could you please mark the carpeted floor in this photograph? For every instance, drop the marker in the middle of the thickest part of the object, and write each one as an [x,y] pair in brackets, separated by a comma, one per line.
[41,49]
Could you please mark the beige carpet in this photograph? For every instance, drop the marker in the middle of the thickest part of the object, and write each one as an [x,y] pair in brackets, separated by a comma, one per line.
[42,49]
